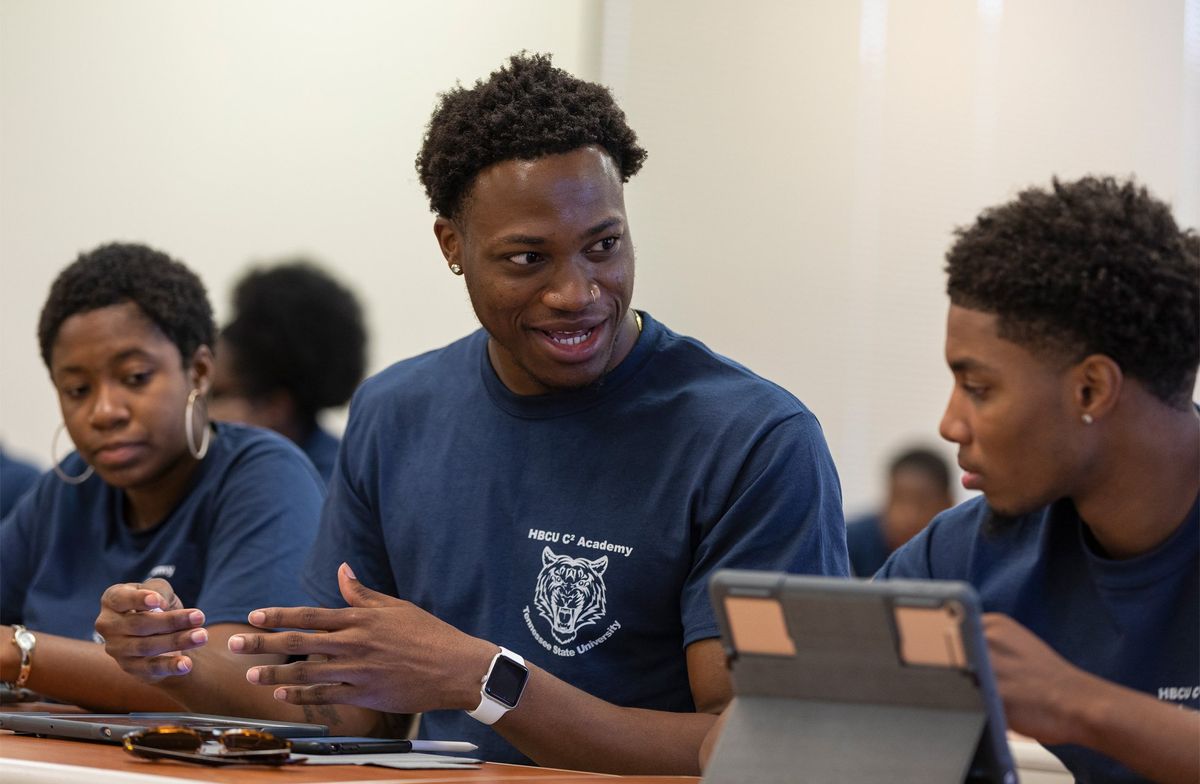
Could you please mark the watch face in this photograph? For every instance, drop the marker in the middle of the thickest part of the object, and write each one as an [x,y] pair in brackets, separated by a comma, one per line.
[24,639]
[506,681]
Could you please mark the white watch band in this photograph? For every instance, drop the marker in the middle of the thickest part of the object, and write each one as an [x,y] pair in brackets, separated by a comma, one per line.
[490,710]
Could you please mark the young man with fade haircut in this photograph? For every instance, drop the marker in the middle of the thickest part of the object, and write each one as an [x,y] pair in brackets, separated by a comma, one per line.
[1074,338]
[561,483]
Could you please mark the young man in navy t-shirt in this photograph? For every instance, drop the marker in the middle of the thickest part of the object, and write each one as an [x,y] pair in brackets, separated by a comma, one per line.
[1073,339]
[548,496]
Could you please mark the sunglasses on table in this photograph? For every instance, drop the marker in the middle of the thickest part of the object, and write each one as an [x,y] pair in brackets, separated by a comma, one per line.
[210,747]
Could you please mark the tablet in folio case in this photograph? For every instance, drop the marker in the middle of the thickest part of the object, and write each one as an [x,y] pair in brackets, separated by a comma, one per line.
[842,680]
[112,727]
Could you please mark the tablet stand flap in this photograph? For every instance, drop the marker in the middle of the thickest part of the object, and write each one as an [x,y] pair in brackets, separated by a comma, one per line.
[769,739]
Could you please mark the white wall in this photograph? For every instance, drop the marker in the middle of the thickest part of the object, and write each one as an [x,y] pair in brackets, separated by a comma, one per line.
[807,160]
[233,130]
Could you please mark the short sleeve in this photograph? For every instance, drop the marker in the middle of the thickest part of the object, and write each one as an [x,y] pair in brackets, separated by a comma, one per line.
[16,556]
[350,530]
[16,478]
[785,514]
[266,515]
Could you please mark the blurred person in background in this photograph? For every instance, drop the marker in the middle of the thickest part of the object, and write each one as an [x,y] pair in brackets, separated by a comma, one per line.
[918,489]
[296,345]
[16,476]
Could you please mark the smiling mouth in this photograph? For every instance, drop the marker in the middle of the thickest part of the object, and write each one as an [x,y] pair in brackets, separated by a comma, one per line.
[569,338]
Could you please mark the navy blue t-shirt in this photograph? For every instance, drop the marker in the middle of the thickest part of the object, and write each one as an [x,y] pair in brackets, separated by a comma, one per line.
[234,543]
[1134,621]
[578,529]
[15,478]
[321,448]
[867,547]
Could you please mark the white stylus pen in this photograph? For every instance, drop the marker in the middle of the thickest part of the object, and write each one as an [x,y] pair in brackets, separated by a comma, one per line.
[443,745]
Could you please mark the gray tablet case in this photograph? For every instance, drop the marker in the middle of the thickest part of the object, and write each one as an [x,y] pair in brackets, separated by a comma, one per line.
[112,727]
[849,681]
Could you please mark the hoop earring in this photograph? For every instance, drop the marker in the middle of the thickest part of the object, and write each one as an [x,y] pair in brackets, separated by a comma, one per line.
[188,412]
[54,461]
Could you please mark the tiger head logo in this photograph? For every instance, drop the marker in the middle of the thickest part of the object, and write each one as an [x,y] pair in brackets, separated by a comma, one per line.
[570,593]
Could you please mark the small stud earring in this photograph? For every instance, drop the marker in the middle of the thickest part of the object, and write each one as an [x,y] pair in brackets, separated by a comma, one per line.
[457,270]
[1087,419]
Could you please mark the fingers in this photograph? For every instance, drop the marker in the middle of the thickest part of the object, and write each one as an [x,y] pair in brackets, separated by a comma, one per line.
[130,647]
[356,594]
[156,657]
[316,618]
[1004,635]
[994,620]
[287,643]
[131,597]
[146,628]
[147,624]
[163,588]
[320,694]
[155,668]
[300,673]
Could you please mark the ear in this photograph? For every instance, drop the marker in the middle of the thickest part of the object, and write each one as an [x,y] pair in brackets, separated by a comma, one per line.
[548,556]
[1097,382]
[450,239]
[600,564]
[200,370]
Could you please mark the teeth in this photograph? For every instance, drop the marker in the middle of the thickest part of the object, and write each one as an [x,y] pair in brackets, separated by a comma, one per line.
[570,339]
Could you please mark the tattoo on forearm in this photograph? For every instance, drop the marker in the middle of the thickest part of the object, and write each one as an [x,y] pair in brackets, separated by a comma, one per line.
[322,714]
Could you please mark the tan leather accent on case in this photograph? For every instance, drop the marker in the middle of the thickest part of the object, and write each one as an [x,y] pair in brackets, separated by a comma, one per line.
[758,626]
[931,635]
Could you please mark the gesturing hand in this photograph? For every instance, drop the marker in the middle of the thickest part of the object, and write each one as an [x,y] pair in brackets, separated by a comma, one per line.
[1040,689]
[380,652]
[146,628]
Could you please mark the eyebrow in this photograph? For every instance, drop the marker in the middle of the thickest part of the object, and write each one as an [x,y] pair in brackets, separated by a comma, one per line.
[521,239]
[129,353]
[604,225]
[531,239]
[966,365]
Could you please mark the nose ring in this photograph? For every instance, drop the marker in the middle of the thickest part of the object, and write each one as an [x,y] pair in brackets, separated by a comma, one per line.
[595,294]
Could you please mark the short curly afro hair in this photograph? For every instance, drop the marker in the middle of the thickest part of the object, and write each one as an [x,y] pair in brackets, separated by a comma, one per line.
[1090,266]
[166,291]
[525,111]
[296,329]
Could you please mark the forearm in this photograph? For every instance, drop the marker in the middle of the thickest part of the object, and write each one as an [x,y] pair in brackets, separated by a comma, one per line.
[79,672]
[1155,739]
[197,693]
[557,725]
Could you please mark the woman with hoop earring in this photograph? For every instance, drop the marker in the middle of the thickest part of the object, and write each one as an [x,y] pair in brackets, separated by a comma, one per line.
[195,523]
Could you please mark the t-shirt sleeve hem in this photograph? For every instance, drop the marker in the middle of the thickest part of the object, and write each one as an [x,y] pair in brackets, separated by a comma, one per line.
[705,632]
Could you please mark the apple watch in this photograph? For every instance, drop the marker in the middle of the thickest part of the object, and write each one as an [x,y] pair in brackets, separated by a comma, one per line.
[502,687]
[25,642]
